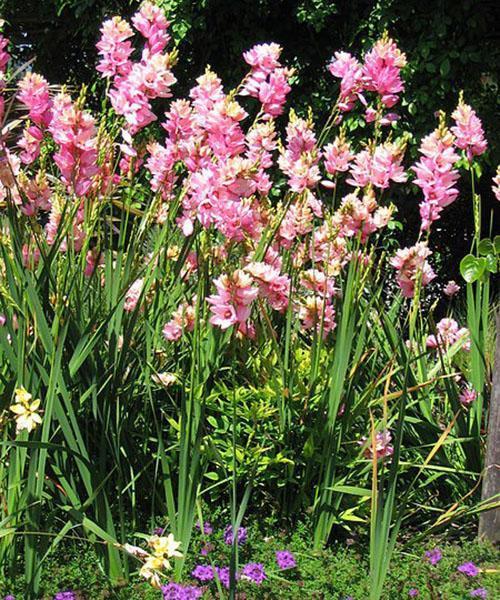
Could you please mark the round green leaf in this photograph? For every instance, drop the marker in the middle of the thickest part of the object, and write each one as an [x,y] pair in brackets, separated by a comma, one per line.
[486,247]
[471,268]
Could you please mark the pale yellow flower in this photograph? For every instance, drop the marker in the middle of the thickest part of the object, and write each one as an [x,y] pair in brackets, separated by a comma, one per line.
[25,410]
[165,545]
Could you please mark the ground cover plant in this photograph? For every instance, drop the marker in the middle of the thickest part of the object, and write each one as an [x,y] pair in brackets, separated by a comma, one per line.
[203,304]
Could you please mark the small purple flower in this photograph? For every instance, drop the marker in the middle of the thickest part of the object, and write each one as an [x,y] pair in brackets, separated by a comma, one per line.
[10,596]
[228,535]
[413,592]
[158,531]
[433,556]
[255,572]
[207,528]
[285,559]
[203,573]
[479,593]
[68,595]
[223,575]
[469,569]
[206,548]
[176,591]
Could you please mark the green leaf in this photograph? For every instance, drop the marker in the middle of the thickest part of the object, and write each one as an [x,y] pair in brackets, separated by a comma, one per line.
[444,68]
[471,268]
[491,263]
[485,247]
[496,243]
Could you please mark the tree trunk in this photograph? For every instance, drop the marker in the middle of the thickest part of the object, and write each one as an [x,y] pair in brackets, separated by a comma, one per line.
[489,521]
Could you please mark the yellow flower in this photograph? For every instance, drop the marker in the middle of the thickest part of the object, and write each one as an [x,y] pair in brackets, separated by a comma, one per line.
[25,410]
[165,545]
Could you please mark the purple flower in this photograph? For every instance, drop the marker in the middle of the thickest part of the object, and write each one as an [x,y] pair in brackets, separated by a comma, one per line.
[228,535]
[10,596]
[176,591]
[479,593]
[203,573]
[413,592]
[223,575]
[68,595]
[469,569]
[206,548]
[433,556]
[255,572]
[207,528]
[285,560]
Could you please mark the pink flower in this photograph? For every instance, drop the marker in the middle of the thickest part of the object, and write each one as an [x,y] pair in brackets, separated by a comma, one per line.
[448,333]
[379,168]
[272,286]
[411,263]
[451,288]
[133,294]
[74,131]
[30,144]
[183,320]
[467,395]
[263,57]
[299,160]
[4,55]
[348,69]
[382,71]
[468,131]
[383,445]
[37,194]
[267,81]
[151,23]
[114,47]
[232,303]
[337,156]
[160,164]
[435,175]
[34,94]
[316,313]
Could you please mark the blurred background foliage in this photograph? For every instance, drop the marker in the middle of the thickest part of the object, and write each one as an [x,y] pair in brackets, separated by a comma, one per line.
[452,45]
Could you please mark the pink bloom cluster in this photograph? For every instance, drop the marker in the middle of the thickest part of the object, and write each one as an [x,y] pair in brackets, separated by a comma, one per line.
[378,168]
[74,130]
[383,446]
[360,216]
[468,131]
[4,60]
[350,72]
[448,333]
[299,160]
[411,264]
[451,288]
[379,73]
[337,155]
[133,294]
[233,302]
[268,80]
[183,320]
[135,84]
[382,71]
[467,396]
[436,176]
[273,286]
[226,168]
